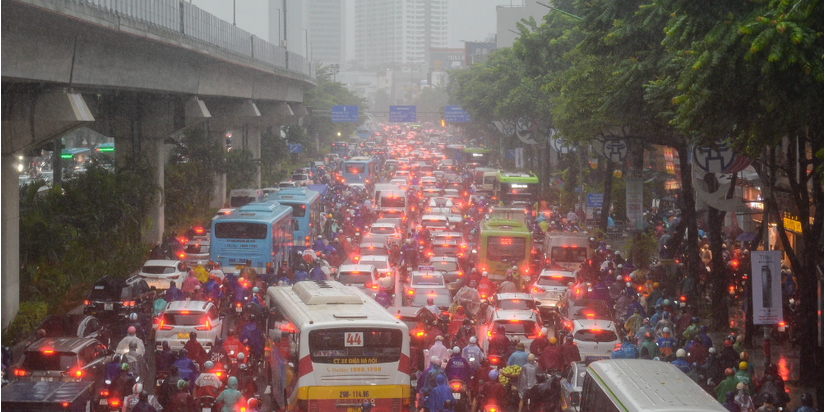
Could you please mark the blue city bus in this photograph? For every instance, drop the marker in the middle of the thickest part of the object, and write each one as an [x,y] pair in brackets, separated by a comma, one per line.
[259,233]
[360,171]
[340,148]
[306,214]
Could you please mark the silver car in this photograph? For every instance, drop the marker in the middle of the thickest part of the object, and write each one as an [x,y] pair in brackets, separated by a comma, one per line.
[571,386]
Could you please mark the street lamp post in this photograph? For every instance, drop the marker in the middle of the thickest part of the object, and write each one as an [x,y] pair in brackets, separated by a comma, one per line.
[335,68]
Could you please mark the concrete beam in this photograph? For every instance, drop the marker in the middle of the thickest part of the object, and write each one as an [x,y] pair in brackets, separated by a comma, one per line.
[9,240]
[32,117]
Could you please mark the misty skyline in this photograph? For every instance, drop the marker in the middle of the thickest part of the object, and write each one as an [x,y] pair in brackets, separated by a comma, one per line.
[469,20]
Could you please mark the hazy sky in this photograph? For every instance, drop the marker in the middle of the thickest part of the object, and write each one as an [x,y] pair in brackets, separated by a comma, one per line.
[471,20]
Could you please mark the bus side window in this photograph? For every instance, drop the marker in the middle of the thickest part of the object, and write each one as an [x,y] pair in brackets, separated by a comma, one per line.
[594,399]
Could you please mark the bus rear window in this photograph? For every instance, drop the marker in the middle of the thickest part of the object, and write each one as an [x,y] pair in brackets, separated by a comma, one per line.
[393,201]
[240,230]
[500,248]
[354,277]
[354,168]
[568,254]
[353,346]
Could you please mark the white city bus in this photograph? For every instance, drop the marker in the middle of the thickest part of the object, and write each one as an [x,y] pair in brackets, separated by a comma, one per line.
[331,347]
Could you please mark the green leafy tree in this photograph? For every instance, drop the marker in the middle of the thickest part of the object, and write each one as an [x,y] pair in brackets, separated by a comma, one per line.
[241,169]
[190,179]
[322,97]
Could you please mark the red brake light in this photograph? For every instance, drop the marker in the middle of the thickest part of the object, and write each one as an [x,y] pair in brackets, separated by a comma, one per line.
[48,352]
[104,392]
[86,302]
[781,323]
[161,326]
[66,404]
[184,312]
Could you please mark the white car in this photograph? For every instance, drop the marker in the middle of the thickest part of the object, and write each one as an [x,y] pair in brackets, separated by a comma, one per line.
[159,273]
[595,338]
[300,179]
[382,265]
[386,232]
[435,222]
[362,276]
[180,318]
[427,284]
[518,325]
[506,302]
[287,183]
[550,287]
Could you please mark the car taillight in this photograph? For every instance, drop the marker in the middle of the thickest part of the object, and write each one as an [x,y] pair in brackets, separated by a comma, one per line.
[128,303]
[22,372]
[86,302]
[207,326]
[114,402]
[181,255]
[161,326]
[537,289]
[77,373]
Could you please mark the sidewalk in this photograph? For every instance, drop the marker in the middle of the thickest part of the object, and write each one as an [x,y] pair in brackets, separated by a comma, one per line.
[783,356]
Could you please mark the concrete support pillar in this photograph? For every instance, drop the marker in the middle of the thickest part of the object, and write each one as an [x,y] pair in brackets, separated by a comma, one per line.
[10,241]
[155,152]
[219,197]
[253,140]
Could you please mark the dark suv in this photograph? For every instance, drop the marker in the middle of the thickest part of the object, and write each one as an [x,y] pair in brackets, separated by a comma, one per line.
[63,359]
[113,299]
[74,326]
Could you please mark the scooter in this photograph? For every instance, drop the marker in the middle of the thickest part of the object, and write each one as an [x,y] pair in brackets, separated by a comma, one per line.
[461,395]
[207,403]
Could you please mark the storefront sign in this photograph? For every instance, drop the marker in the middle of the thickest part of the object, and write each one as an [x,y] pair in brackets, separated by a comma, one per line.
[792,224]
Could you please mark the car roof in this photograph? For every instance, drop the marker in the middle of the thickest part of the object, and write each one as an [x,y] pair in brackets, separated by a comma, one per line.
[513,296]
[195,305]
[356,268]
[66,344]
[113,281]
[590,323]
[405,311]
[171,263]
[553,272]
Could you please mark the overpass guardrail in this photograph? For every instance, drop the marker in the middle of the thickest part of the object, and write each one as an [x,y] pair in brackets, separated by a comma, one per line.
[182,18]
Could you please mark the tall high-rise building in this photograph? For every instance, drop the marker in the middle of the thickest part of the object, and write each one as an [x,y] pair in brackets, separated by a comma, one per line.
[326,30]
[399,31]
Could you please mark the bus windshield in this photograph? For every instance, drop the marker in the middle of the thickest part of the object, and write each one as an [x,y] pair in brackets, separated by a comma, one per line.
[355,168]
[298,210]
[500,248]
[568,254]
[351,346]
[240,230]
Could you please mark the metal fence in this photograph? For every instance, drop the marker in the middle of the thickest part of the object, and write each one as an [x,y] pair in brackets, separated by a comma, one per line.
[185,19]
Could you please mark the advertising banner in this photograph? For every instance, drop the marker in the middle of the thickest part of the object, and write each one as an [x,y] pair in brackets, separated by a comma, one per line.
[766,273]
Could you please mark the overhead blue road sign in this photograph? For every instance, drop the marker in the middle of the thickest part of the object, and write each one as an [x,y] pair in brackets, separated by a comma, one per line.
[344,114]
[294,148]
[402,114]
[454,114]
[595,199]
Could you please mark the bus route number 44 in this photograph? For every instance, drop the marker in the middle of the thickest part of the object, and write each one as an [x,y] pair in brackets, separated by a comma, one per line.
[353,339]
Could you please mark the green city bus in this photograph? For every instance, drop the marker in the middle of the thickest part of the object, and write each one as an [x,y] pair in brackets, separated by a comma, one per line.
[516,188]
[504,243]
[476,156]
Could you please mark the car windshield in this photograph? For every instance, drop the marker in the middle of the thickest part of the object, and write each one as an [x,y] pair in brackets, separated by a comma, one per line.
[555,280]
[195,249]
[448,250]
[106,292]
[439,299]
[444,265]
[184,319]
[382,230]
[355,277]
[49,361]
[592,311]
[595,335]
[378,263]
[527,328]
[161,270]
[516,304]
[427,280]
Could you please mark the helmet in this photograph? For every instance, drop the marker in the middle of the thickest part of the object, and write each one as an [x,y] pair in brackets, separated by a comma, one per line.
[553,340]
[666,302]
[743,356]
[740,386]
[711,350]
[743,366]
[484,273]
[473,339]
[131,330]
[243,366]
[681,353]
[439,337]
[619,278]
[366,406]
[137,388]
[456,350]
[241,356]
[434,360]
[694,320]
[252,402]
[655,285]
[646,321]
[703,329]
[255,290]
[181,384]
[728,343]
[543,331]
[729,371]
[116,358]
[807,399]
[666,330]
[133,317]
[515,267]
[648,336]
[320,237]
[493,375]
[124,366]
[182,353]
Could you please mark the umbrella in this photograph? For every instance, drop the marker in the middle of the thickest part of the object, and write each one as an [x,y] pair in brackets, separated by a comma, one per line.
[746,237]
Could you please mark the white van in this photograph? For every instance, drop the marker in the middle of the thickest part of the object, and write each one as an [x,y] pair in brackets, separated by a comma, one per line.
[392,201]
[566,251]
[640,385]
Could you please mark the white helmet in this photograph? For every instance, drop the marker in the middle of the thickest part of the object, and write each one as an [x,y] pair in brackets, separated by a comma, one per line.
[484,274]
[680,353]
[473,339]
[666,330]
[619,278]
[434,359]
[515,267]
[456,350]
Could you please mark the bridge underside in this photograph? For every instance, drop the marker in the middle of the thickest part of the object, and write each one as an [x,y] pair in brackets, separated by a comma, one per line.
[135,84]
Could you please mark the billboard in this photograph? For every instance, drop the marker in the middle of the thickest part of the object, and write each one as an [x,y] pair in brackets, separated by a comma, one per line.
[766,274]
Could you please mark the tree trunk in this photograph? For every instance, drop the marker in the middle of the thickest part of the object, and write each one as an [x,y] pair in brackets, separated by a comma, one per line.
[608,190]
[718,278]
[688,207]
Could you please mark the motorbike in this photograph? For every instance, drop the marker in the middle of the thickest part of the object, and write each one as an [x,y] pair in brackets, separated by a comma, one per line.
[206,403]
[461,395]
[160,376]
